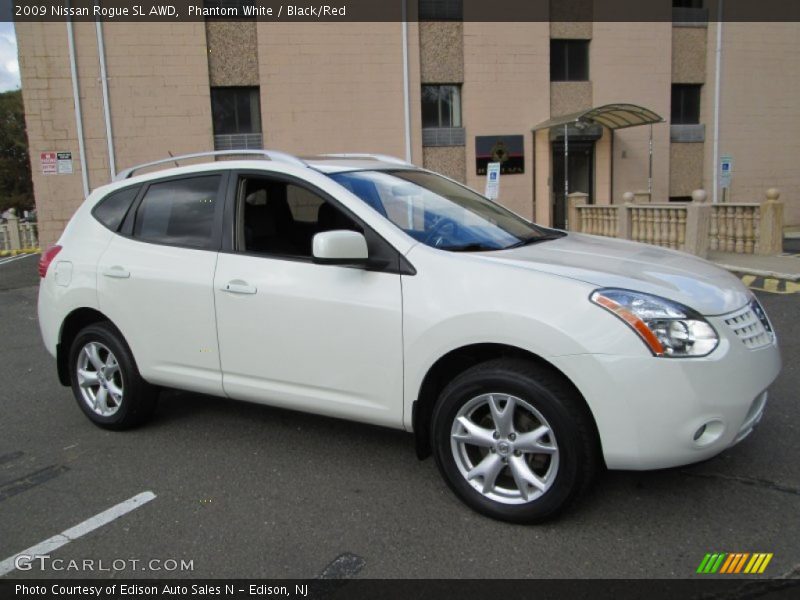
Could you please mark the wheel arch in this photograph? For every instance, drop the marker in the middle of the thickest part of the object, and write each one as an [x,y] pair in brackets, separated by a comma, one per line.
[459,360]
[73,323]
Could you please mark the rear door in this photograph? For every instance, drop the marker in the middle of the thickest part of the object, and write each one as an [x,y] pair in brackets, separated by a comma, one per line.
[155,280]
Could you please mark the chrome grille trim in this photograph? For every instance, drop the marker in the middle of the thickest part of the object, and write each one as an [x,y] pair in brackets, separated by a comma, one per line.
[748,327]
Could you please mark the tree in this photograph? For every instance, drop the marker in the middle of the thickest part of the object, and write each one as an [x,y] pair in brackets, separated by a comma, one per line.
[16,187]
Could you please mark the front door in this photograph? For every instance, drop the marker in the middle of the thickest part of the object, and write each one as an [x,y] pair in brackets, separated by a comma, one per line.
[580,172]
[322,338]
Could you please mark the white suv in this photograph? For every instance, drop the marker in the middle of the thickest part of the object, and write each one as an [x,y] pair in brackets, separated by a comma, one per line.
[361,287]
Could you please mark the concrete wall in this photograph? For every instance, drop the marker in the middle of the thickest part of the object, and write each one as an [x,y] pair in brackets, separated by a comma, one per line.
[506,92]
[630,63]
[329,87]
[47,92]
[689,54]
[339,87]
[447,160]
[441,46]
[686,168]
[760,124]
[570,96]
[159,97]
[232,53]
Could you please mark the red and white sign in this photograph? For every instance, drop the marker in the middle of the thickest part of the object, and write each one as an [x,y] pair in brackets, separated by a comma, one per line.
[49,162]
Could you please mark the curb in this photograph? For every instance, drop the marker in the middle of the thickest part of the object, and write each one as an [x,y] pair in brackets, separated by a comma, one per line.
[22,251]
[760,272]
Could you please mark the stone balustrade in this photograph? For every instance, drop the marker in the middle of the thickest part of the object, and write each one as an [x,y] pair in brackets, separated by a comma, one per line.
[16,236]
[658,224]
[696,227]
[599,220]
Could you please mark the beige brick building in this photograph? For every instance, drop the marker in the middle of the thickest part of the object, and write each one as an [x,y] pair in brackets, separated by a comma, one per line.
[310,88]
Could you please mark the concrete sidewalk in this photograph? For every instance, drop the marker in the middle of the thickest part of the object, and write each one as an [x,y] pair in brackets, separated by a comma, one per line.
[780,267]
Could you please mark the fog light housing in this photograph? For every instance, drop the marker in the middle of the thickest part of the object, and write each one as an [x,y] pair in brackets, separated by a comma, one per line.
[699,433]
[708,433]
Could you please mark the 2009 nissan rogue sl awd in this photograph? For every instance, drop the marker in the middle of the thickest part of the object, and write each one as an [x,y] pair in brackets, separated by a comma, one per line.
[362,287]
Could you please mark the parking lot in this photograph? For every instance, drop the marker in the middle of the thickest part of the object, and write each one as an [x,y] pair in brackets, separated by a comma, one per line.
[243,490]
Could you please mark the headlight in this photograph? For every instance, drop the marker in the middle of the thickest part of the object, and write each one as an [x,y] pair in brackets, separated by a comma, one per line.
[667,328]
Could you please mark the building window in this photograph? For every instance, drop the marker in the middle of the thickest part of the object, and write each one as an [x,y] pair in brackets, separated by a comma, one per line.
[689,13]
[569,60]
[685,104]
[441,106]
[235,110]
[441,10]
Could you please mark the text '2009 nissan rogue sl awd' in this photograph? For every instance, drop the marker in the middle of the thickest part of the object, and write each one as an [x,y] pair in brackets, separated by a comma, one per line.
[523,358]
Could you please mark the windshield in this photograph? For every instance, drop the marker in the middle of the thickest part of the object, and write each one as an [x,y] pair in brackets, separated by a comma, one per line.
[441,213]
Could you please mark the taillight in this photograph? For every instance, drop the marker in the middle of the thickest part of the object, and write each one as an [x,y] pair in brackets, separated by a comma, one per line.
[47,257]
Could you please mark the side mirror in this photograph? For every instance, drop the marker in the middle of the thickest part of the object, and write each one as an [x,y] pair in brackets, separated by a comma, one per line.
[340,247]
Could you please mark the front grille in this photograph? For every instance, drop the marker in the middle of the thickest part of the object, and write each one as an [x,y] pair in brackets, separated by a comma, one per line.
[748,327]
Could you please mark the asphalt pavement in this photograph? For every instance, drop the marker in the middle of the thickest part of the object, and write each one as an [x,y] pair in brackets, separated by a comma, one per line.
[243,490]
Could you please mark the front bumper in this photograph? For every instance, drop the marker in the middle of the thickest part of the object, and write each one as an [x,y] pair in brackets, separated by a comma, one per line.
[654,413]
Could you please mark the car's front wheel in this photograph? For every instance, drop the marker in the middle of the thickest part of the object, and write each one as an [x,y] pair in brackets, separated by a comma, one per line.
[513,440]
[105,380]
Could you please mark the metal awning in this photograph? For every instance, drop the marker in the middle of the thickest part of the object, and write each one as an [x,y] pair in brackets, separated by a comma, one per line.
[613,116]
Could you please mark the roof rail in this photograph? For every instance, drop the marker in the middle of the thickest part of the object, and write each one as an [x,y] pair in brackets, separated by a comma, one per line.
[270,154]
[381,157]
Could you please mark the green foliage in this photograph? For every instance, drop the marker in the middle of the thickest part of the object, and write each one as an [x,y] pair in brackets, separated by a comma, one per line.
[16,188]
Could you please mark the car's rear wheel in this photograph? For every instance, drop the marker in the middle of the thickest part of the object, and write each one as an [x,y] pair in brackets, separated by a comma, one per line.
[513,440]
[105,380]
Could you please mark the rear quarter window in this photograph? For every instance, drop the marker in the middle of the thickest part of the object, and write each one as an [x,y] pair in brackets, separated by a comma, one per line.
[111,210]
[179,212]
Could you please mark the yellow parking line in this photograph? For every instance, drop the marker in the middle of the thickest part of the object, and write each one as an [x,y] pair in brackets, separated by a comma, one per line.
[748,280]
[771,285]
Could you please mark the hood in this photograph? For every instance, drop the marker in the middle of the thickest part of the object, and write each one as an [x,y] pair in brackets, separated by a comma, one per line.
[607,262]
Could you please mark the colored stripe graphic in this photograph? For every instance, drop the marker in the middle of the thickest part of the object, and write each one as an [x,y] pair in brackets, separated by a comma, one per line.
[734,563]
[703,563]
[728,564]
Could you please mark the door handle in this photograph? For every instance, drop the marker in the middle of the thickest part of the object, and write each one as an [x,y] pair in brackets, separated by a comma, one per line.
[116,272]
[237,286]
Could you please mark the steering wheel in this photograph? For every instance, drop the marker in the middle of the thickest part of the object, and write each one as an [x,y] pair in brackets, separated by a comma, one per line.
[437,235]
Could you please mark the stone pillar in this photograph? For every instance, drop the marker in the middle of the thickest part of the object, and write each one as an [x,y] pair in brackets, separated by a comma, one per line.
[573,216]
[771,238]
[699,196]
[624,221]
[698,222]
[13,229]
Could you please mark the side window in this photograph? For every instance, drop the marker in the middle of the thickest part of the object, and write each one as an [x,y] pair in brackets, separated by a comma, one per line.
[281,218]
[179,212]
[111,210]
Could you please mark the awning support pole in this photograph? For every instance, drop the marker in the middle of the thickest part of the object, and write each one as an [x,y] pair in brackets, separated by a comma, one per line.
[566,163]
[650,166]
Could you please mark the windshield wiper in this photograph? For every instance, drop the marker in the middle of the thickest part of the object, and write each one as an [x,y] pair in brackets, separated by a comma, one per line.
[535,240]
[472,247]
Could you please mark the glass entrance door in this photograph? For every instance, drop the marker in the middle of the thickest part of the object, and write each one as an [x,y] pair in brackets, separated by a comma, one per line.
[580,166]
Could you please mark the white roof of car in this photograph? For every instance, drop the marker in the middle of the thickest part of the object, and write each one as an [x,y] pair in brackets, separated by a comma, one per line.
[325,163]
[339,165]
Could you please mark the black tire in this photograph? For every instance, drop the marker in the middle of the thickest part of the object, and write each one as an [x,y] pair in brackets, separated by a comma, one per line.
[138,400]
[573,430]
